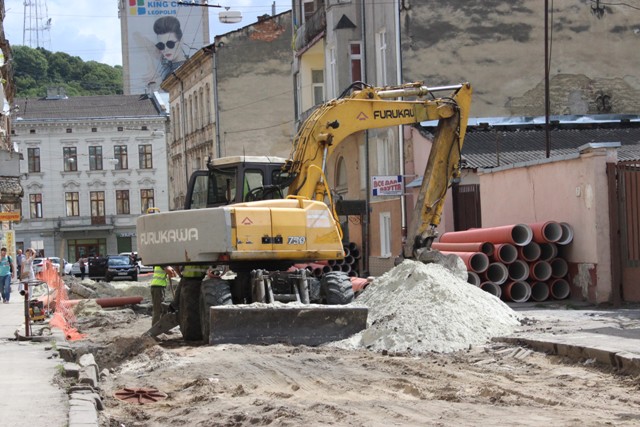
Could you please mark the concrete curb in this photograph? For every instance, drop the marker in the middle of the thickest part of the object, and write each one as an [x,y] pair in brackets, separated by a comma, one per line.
[625,361]
[84,399]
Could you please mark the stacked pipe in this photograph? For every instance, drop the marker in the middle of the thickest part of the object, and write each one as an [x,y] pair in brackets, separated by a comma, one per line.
[349,264]
[518,263]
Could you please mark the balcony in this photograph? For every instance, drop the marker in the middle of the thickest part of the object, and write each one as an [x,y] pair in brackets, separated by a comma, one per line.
[313,26]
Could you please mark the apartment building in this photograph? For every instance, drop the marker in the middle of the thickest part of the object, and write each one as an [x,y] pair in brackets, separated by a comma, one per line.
[90,166]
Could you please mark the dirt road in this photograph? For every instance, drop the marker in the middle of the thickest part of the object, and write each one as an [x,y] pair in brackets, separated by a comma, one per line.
[231,385]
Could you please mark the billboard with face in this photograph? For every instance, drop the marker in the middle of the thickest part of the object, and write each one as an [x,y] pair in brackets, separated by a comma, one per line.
[160,36]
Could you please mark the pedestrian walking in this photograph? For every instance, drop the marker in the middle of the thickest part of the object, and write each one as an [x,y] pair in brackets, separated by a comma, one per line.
[6,270]
[82,263]
[20,257]
[28,272]
[159,282]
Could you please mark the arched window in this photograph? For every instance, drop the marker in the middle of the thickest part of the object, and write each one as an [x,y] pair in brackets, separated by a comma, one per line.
[341,176]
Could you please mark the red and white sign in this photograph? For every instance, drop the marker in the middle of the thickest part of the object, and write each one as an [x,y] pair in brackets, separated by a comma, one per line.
[392,185]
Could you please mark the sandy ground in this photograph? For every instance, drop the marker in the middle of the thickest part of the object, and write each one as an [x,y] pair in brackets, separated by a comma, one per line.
[232,385]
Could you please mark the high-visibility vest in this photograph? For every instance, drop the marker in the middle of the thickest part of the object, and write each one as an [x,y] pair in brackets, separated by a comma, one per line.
[194,271]
[160,277]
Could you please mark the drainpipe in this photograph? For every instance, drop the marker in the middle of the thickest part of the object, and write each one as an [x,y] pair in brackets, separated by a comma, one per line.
[367,219]
[403,197]
[215,100]
[182,131]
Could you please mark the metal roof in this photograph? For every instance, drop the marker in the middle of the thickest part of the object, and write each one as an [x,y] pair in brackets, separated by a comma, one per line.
[84,107]
[495,142]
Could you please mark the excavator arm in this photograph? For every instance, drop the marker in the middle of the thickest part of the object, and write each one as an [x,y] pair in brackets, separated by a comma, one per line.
[372,108]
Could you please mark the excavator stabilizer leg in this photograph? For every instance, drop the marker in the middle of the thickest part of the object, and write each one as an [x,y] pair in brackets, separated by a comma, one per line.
[167,322]
[295,325]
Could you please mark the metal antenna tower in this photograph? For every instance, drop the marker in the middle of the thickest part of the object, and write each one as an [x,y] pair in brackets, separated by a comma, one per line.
[35,30]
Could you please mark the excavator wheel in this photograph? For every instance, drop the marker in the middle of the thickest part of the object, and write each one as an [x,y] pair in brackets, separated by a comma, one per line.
[214,292]
[336,288]
[315,296]
[188,312]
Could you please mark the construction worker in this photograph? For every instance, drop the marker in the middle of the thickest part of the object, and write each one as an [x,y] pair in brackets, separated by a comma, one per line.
[159,282]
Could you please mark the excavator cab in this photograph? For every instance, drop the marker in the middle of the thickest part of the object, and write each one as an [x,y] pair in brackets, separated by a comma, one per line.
[235,179]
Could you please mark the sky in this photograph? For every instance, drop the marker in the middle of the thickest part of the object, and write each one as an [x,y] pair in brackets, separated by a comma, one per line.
[90,29]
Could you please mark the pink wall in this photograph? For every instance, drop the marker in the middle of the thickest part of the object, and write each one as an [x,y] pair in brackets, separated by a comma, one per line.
[573,190]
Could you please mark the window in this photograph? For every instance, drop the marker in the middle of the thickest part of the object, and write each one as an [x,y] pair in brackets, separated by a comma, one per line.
[196,112]
[385,234]
[381,58]
[120,129]
[317,85]
[308,9]
[69,130]
[122,202]
[120,154]
[384,154]
[298,95]
[95,158]
[333,74]
[146,200]
[35,205]
[341,181]
[145,157]
[70,158]
[94,129]
[32,131]
[97,206]
[33,157]
[72,202]
[355,57]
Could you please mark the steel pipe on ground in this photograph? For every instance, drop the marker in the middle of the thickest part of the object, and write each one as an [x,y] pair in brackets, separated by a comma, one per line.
[492,288]
[559,268]
[539,291]
[530,252]
[477,262]
[497,273]
[559,288]
[518,270]
[516,234]
[540,271]
[516,291]
[567,234]
[549,231]
[548,251]
[505,253]
[484,247]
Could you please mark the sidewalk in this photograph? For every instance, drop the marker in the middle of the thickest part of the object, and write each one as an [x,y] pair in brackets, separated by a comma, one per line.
[608,336]
[30,398]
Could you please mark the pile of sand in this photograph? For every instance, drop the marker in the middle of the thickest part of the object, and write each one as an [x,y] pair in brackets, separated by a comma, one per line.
[419,308]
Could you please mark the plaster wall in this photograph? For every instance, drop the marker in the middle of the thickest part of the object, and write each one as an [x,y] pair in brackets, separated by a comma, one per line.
[498,46]
[572,190]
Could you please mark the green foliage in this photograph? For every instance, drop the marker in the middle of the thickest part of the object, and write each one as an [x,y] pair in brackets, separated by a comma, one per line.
[37,69]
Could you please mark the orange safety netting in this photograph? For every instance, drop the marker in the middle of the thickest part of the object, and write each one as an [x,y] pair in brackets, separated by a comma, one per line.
[57,301]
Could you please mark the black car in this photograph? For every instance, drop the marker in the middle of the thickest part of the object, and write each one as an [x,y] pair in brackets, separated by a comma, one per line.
[118,266]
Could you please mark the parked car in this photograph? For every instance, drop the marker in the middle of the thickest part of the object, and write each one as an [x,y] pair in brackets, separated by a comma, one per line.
[120,266]
[55,261]
[141,267]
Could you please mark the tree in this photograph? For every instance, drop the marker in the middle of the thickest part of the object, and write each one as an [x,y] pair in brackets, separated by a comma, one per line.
[37,69]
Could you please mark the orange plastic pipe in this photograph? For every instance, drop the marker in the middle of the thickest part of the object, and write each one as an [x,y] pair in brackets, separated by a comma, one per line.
[477,262]
[484,247]
[517,234]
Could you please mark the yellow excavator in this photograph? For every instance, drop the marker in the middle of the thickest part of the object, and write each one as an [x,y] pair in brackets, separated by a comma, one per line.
[248,220]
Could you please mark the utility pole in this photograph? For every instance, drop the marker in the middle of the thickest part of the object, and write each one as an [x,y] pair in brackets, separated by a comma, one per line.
[547,101]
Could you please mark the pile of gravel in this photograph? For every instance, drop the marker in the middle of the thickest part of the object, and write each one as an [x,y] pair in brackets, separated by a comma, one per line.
[420,308]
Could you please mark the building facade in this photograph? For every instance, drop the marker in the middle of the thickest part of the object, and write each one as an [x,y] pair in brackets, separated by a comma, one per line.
[90,166]
[233,97]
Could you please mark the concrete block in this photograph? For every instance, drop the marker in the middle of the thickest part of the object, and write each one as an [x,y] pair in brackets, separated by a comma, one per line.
[92,397]
[66,352]
[71,370]
[88,375]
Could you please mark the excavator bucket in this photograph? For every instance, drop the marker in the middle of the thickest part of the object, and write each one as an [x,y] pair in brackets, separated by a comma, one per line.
[287,324]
